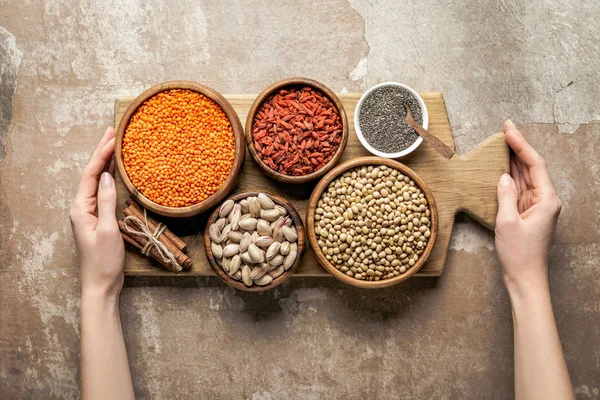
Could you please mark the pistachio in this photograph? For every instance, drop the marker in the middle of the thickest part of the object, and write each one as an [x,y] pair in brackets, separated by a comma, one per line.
[221,222]
[263,228]
[277,272]
[259,271]
[231,249]
[264,280]
[285,248]
[276,261]
[248,224]
[256,254]
[245,241]
[278,235]
[237,275]
[215,233]
[216,249]
[246,275]
[269,215]
[235,236]
[254,207]
[273,250]
[245,257]
[234,264]
[226,208]
[265,201]
[289,233]
[289,260]
[264,241]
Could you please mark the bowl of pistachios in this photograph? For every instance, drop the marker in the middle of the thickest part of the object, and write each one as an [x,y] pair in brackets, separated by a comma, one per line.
[254,240]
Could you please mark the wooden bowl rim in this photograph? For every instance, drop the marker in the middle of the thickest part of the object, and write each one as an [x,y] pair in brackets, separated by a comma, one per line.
[280,279]
[297,81]
[316,195]
[240,151]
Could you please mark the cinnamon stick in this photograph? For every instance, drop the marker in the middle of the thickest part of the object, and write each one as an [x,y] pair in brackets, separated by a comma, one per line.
[181,245]
[140,242]
[152,224]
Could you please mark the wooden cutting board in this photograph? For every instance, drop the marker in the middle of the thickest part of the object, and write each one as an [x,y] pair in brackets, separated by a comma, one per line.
[460,184]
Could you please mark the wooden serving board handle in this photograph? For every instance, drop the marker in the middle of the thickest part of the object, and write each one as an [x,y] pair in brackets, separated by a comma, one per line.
[477,175]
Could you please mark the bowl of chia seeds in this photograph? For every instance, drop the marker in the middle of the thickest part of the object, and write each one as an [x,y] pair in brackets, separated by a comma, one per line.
[379,119]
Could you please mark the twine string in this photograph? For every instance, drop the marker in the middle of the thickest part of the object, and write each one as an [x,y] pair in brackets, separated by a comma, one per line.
[153,238]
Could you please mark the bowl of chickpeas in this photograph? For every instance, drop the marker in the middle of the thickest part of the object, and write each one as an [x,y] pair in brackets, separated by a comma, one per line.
[179,148]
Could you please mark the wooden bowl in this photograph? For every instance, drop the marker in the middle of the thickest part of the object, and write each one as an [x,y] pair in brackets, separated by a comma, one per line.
[322,186]
[240,151]
[250,120]
[280,279]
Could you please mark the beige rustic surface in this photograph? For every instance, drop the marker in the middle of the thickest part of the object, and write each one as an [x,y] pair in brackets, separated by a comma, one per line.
[62,64]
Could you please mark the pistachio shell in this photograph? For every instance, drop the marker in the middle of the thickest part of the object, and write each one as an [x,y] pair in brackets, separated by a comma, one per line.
[234,264]
[248,223]
[259,271]
[215,233]
[264,280]
[263,228]
[289,260]
[278,235]
[256,254]
[235,236]
[221,222]
[289,233]
[277,272]
[231,249]
[245,241]
[265,201]
[225,232]
[269,215]
[246,275]
[216,249]
[281,209]
[276,261]
[237,275]
[285,248]
[254,207]
[244,206]
[264,241]
[226,208]
[273,250]
[245,257]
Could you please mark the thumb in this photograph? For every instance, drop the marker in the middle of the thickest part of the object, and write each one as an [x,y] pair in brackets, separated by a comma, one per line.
[508,196]
[107,203]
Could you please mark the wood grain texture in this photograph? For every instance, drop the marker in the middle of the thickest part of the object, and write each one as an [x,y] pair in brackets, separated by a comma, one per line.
[464,183]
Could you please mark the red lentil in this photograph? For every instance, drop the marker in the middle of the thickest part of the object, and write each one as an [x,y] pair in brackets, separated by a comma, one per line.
[178,148]
[297,130]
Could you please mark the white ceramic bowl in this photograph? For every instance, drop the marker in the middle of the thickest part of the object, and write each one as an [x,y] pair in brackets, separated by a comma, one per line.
[359,133]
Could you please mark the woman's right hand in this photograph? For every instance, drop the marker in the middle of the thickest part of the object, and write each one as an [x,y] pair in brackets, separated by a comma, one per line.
[528,209]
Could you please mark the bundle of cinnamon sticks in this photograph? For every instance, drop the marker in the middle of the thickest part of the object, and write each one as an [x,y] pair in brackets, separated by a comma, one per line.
[171,242]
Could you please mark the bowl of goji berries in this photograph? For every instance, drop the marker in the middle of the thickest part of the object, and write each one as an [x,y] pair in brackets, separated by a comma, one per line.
[180,148]
[296,130]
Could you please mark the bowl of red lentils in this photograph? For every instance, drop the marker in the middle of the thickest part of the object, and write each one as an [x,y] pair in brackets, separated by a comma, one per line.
[179,148]
[296,130]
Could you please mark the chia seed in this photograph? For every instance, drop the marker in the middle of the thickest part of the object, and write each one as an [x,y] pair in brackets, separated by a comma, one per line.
[382,116]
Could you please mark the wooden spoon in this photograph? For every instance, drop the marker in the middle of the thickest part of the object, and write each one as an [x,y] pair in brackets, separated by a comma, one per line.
[432,140]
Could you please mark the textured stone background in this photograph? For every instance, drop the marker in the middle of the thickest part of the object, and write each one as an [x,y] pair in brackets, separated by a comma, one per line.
[62,63]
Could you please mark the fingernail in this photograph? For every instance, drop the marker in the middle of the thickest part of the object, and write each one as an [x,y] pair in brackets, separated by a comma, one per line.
[505,180]
[107,131]
[106,180]
[510,124]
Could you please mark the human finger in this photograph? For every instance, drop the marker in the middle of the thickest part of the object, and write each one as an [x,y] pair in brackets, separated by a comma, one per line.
[88,185]
[540,178]
[521,184]
[525,172]
[107,204]
[508,196]
[515,174]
